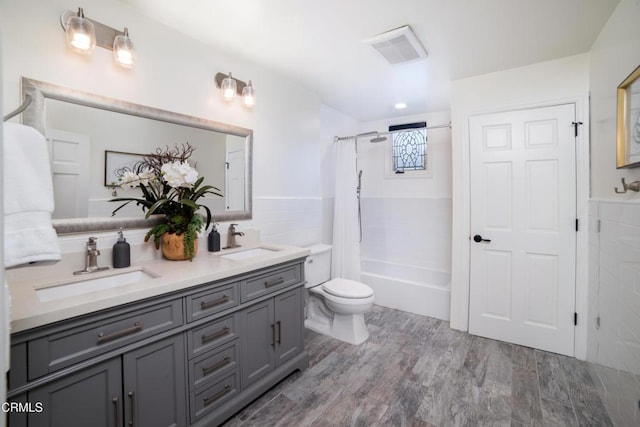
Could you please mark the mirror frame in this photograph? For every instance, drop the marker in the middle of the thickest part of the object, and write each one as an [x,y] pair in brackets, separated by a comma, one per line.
[34,115]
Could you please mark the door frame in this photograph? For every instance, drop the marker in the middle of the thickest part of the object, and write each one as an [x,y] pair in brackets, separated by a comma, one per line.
[461,255]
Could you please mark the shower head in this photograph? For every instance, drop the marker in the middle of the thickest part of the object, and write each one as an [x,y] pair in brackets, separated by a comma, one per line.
[378,139]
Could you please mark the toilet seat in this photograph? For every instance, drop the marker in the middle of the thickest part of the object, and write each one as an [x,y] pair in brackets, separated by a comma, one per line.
[345,288]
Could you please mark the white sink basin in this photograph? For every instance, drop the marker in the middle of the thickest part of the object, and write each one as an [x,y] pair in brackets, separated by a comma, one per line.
[248,253]
[88,285]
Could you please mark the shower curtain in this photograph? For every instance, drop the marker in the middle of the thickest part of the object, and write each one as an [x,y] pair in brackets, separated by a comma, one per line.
[345,257]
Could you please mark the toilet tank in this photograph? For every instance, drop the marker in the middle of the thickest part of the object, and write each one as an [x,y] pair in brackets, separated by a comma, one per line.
[317,269]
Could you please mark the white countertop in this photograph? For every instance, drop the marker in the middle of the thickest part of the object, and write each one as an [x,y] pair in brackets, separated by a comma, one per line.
[27,311]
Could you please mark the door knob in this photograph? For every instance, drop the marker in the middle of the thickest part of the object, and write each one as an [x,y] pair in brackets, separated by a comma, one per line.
[478,238]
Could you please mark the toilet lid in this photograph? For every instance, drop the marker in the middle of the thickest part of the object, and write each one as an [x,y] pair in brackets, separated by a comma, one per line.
[346,288]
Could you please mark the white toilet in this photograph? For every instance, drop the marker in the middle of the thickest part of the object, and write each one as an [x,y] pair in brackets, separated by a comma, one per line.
[334,307]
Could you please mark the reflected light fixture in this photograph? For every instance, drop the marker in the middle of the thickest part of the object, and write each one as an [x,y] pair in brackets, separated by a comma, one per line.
[123,49]
[400,105]
[84,34]
[230,87]
[81,34]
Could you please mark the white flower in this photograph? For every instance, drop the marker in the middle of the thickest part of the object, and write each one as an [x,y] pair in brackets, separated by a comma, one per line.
[179,174]
[146,176]
[129,180]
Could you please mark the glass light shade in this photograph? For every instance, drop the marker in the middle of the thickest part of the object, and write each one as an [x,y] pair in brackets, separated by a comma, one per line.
[81,35]
[123,52]
[228,88]
[249,95]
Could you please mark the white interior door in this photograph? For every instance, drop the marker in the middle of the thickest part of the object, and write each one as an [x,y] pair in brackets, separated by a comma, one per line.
[235,180]
[523,207]
[70,170]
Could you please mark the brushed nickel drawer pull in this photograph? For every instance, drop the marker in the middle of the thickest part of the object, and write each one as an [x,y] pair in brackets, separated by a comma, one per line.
[208,304]
[209,400]
[206,371]
[116,409]
[215,335]
[275,282]
[102,338]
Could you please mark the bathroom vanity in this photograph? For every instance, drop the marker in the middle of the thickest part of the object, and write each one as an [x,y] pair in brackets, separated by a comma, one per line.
[189,345]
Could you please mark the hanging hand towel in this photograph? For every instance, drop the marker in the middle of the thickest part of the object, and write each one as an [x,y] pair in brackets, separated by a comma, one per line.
[28,198]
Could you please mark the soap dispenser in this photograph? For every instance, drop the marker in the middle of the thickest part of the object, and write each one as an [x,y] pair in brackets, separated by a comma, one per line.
[214,240]
[121,252]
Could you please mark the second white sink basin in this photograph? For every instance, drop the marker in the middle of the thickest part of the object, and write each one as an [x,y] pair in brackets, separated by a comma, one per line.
[248,253]
[80,287]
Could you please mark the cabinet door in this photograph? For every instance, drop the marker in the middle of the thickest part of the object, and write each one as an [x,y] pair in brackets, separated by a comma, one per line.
[92,397]
[258,342]
[154,384]
[289,318]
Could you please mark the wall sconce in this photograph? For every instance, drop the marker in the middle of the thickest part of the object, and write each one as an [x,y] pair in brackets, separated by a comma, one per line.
[84,34]
[230,86]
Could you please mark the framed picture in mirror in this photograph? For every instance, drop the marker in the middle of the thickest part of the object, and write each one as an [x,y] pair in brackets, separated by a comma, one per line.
[118,162]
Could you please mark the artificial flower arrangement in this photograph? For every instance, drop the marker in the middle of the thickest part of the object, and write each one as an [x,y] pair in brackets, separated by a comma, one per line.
[170,186]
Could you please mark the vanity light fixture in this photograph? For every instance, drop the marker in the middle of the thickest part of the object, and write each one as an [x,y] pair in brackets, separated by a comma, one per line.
[123,49]
[230,87]
[81,34]
[84,34]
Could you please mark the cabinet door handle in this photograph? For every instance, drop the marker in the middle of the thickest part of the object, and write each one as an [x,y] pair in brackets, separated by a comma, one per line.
[116,410]
[132,412]
[209,400]
[274,282]
[279,332]
[215,335]
[208,304]
[273,334]
[206,371]
[102,338]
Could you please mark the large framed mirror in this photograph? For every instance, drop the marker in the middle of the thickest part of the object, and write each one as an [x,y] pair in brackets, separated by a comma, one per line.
[89,134]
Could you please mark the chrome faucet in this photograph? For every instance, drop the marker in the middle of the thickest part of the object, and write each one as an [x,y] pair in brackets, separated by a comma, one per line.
[91,258]
[231,237]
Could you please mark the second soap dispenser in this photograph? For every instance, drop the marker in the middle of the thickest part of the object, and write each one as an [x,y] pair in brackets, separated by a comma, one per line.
[121,252]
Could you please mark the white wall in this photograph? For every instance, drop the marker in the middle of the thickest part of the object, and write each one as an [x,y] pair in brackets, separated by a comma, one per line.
[614,55]
[175,73]
[536,84]
[614,294]
[406,219]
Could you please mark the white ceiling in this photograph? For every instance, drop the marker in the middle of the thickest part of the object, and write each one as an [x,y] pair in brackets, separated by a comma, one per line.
[319,42]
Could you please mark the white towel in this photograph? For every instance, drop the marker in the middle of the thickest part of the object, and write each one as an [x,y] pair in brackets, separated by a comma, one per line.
[28,198]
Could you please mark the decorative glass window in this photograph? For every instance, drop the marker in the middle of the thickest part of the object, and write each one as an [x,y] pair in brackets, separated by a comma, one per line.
[409,147]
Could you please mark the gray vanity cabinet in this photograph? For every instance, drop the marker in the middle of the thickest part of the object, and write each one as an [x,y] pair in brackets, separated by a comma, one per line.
[90,397]
[155,384]
[190,358]
[273,334]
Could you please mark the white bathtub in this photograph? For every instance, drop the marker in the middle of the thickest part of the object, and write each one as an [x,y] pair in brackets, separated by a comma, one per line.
[408,288]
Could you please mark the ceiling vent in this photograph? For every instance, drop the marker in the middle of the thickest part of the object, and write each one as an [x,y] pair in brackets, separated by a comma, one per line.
[398,46]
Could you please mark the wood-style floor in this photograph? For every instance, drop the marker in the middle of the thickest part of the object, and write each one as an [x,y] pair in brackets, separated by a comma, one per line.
[416,371]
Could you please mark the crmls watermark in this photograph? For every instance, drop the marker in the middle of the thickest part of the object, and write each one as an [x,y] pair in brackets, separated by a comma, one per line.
[24,407]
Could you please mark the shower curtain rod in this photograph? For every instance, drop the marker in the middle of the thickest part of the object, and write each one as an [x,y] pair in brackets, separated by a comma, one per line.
[362,135]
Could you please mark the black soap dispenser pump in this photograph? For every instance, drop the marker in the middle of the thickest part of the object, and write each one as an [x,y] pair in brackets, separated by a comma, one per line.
[214,240]
[121,252]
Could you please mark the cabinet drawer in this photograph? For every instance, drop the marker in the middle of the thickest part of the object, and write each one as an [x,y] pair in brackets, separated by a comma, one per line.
[270,281]
[211,366]
[212,301]
[61,349]
[209,399]
[211,335]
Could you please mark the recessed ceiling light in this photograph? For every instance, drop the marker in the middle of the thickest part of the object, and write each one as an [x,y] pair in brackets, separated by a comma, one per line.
[400,105]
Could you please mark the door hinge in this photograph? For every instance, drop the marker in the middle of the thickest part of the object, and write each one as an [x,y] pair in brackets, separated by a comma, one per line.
[577,224]
[575,319]
[598,322]
[598,225]
[575,128]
